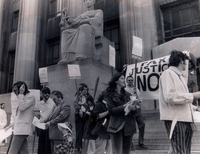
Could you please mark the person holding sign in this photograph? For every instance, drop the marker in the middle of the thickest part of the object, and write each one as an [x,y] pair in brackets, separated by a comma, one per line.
[138,115]
[175,103]
[44,108]
[83,104]
[122,123]
[23,118]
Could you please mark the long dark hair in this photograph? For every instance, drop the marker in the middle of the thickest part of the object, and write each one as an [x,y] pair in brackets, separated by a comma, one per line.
[112,85]
[81,87]
[19,84]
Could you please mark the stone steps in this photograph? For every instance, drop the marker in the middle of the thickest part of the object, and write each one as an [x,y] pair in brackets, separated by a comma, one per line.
[155,137]
[155,134]
[156,152]
[4,148]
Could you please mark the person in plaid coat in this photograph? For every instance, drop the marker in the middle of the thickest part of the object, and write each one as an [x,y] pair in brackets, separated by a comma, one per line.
[67,146]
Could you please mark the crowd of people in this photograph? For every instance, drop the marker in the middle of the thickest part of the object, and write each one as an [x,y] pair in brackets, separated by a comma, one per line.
[108,124]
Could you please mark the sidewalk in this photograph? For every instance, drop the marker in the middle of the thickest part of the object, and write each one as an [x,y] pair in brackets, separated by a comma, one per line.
[156,152]
[3,149]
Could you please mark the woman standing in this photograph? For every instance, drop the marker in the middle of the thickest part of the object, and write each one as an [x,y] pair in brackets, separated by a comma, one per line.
[23,119]
[122,124]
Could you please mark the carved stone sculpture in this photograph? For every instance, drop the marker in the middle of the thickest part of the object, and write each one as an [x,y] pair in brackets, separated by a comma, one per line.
[78,35]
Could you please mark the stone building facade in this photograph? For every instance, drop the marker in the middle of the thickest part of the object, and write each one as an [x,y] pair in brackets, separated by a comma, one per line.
[30,32]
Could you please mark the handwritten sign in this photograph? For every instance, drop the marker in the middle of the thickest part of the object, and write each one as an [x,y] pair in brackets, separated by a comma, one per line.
[148,75]
[74,71]
[137,47]
[111,56]
[43,75]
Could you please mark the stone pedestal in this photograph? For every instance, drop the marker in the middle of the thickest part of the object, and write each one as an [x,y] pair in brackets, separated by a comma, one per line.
[90,69]
[184,44]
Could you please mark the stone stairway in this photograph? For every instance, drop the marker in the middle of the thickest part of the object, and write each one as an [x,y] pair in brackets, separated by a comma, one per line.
[156,137]
[3,149]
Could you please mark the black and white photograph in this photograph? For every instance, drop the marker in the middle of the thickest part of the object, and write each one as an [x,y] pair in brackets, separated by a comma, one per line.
[99,76]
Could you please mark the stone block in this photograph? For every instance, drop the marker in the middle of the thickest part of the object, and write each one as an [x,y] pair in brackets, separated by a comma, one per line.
[184,44]
[90,69]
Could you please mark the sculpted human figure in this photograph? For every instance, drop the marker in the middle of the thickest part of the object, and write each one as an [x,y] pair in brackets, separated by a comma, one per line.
[78,35]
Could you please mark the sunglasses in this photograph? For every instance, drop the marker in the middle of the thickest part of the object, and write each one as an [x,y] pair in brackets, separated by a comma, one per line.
[130,80]
[45,92]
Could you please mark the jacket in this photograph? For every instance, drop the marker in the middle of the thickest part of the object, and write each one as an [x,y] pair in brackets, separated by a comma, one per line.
[175,101]
[60,114]
[118,120]
[24,115]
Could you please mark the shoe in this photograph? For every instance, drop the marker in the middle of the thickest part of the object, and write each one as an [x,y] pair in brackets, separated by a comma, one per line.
[142,147]
[78,151]
[132,148]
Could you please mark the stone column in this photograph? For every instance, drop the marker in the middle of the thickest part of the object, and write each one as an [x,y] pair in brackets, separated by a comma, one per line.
[27,41]
[3,22]
[137,18]
[2,2]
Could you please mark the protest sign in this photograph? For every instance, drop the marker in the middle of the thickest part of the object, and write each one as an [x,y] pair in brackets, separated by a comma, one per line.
[4,134]
[137,47]
[43,75]
[74,71]
[111,56]
[148,74]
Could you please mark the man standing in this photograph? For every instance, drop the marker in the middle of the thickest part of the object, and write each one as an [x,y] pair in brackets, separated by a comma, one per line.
[83,105]
[175,103]
[45,108]
[130,87]
[60,114]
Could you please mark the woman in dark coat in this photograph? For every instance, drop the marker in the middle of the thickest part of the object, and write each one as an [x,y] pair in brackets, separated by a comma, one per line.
[122,120]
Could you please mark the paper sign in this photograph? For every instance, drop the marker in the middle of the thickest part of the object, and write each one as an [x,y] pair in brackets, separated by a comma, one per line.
[111,56]
[43,75]
[137,47]
[35,93]
[5,134]
[196,116]
[173,126]
[74,71]
[38,124]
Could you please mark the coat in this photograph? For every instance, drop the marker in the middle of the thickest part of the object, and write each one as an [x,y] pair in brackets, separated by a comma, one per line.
[60,114]
[175,101]
[24,115]
[118,120]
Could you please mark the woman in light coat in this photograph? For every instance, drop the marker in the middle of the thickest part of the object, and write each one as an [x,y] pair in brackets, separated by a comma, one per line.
[22,119]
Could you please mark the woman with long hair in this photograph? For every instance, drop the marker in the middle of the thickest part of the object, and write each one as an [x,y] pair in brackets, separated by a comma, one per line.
[23,118]
[122,123]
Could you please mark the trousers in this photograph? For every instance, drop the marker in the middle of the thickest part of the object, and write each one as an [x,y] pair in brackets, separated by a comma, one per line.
[121,144]
[19,145]
[181,137]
